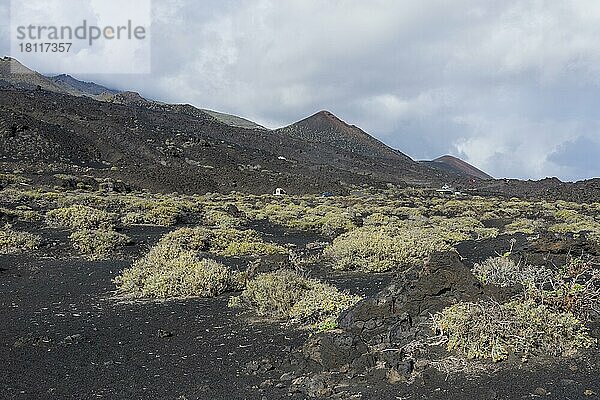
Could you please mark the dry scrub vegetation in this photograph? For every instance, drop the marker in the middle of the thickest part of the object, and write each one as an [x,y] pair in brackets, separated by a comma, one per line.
[547,318]
[12,241]
[176,267]
[487,329]
[372,231]
[286,295]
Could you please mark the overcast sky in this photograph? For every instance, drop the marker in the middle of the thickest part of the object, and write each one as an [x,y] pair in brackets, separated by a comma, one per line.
[510,86]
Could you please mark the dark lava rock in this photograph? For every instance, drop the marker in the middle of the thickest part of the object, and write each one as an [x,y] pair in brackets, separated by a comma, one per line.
[377,334]
[319,385]
[333,351]
[391,318]
[565,244]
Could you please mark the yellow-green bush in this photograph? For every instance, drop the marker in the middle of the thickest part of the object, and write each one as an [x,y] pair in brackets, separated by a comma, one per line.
[286,295]
[524,225]
[8,178]
[233,242]
[326,219]
[12,241]
[221,241]
[80,217]
[491,330]
[153,214]
[379,219]
[574,222]
[162,215]
[459,229]
[379,249]
[98,244]
[187,239]
[164,273]
[222,219]
[22,213]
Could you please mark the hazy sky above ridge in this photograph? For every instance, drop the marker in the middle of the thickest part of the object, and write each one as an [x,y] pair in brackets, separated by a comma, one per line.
[511,86]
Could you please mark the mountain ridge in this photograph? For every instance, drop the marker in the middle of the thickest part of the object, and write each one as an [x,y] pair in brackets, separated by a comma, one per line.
[204,147]
[88,88]
[325,128]
[456,165]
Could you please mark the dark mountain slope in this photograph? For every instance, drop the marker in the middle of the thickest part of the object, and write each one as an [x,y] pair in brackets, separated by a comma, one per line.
[88,88]
[325,128]
[169,148]
[234,120]
[457,166]
[177,147]
[16,75]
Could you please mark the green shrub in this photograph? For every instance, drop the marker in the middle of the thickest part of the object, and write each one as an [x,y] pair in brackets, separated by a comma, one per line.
[159,216]
[326,219]
[286,295]
[458,229]
[222,219]
[379,219]
[80,217]
[167,272]
[574,222]
[162,215]
[187,239]
[12,241]
[379,249]
[165,212]
[524,225]
[334,222]
[21,213]
[98,244]
[233,242]
[8,179]
[491,330]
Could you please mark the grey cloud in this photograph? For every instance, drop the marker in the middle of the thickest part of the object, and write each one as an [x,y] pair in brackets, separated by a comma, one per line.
[579,157]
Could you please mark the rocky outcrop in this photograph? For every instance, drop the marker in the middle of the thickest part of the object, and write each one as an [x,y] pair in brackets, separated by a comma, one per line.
[384,337]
